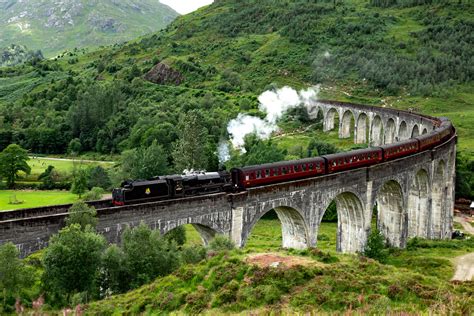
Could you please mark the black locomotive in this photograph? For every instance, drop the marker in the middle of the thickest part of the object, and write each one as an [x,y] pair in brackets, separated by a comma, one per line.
[172,186]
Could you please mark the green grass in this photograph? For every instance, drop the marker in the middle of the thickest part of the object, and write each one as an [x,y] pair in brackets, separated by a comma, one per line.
[38,165]
[34,198]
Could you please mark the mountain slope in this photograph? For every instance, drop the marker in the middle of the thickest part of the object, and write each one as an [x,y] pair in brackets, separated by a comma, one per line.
[55,25]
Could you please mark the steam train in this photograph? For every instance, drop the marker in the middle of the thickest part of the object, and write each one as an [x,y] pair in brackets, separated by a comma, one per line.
[239,179]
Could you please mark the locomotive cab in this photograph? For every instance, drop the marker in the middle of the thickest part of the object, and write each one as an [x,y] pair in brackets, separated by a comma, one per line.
[118,197]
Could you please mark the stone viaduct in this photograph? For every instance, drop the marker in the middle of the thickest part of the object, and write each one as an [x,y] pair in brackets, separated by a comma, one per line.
[413,195]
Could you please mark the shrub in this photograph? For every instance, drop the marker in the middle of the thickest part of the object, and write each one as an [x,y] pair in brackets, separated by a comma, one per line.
[94,194]
[221,243]
[375,247]
[193,254]
[82,214]
[178,235]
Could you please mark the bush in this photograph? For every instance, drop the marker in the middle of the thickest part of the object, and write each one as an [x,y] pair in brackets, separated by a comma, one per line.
[178,235]
[375,247]
[221,243]
[82,214]
[193,254]
[94,194]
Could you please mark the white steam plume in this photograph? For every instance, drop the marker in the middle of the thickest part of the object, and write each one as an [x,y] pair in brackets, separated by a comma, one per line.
[223,151]
[275,103]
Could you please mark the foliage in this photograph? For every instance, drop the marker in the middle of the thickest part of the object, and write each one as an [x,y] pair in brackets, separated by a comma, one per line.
[71,261]
[144,162]
[375,247]
[13,160]
[113,276]
[14,275]
[17,54]
[330,215]
[193,254]
[98,177]
[79,182]
[190,151]
[147,255]
[318,148]
[83,215]
[177,235]
[464,176]
[49,177]
[221,243]
[257,151]
[94,194]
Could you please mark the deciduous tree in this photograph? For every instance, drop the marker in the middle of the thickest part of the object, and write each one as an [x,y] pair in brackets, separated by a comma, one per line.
[144,162]
[72,259]
[13,159]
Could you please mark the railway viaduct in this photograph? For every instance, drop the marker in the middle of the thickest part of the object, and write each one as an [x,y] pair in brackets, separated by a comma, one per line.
[413,195]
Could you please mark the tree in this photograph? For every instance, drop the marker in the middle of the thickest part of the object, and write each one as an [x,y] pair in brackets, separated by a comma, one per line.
[79,183]
[144,162]
[14,275]
[13,159]
[375,247]
[75,146]
[83,215]
[114,276]
[98,177]
[72,259]
[147,254]
[48,177]
[190,151]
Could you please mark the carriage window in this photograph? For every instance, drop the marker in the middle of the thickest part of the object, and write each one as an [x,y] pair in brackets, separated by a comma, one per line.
[318,166]
[275,171]
[311,167]
[303,167]
[259,174]
[284,170]
[334,163]
[296,168]
[267,172]
[247,177]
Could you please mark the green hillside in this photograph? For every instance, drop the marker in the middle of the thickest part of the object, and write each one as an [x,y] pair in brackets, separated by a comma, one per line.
[401,54]
[53,26]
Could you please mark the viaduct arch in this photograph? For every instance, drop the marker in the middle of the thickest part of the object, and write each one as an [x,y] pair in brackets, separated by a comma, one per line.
[413,195]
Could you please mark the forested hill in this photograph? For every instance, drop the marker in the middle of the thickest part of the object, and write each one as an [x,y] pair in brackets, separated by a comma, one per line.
[53,26]
[219,58]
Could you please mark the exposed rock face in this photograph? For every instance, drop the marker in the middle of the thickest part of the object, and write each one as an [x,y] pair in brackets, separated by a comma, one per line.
[163,74]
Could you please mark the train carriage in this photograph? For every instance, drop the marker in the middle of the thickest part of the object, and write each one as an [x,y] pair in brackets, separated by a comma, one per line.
[353,159]
[257,175]
[400,149]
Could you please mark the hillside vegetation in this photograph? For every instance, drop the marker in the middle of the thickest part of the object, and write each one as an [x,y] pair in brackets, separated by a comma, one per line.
[53,26]
[217,60]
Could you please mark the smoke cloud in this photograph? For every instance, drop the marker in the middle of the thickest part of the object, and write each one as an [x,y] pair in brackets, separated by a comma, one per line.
[274,103]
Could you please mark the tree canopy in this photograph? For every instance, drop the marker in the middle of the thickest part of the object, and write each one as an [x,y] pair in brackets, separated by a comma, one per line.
[13,159]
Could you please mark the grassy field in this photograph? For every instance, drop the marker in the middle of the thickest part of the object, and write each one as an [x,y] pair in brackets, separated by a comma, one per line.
[39,164]
[34,198]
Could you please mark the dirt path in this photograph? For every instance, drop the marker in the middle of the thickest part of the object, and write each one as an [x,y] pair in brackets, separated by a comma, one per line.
[464,268]
[464,264]
[465,224]
[78,160]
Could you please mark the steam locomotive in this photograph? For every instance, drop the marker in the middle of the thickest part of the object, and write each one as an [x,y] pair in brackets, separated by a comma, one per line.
[239,179]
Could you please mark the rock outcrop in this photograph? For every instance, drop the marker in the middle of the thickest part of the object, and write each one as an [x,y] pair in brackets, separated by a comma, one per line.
[163,74]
